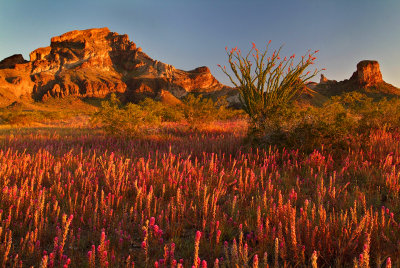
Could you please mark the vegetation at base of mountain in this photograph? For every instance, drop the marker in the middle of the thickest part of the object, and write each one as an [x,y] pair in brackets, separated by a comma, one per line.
[146,116]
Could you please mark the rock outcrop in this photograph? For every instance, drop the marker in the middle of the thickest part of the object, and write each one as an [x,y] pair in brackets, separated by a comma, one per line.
[95,63]
[368,73]
[367,79]
[11,61]
[323,79]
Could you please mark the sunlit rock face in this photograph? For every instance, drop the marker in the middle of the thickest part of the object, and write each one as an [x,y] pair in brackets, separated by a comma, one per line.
[368,73]
[97,62]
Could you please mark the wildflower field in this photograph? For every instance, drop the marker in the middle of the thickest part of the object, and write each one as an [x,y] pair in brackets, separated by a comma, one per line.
[184,198]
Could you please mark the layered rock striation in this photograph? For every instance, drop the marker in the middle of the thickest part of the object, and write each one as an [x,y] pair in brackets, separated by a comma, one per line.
[94,63]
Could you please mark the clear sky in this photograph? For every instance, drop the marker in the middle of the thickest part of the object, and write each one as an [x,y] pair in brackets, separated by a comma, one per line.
[192,33]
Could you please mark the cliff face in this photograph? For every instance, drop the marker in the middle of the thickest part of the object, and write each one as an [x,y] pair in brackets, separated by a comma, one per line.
[368,73]
[94,63]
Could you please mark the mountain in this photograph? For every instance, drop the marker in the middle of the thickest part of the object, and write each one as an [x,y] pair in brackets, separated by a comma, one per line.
[366,79]
[95,63]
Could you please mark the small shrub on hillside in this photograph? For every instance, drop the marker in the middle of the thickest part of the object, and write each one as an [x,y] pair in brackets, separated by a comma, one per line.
[198,109]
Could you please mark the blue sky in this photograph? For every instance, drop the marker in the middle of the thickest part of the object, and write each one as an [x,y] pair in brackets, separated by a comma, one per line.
[192,33]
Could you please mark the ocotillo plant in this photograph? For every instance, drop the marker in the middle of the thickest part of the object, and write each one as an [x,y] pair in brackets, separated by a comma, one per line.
[267,83]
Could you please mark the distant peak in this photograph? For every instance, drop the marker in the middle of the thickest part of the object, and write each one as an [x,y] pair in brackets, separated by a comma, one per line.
[77,34]
[323,79]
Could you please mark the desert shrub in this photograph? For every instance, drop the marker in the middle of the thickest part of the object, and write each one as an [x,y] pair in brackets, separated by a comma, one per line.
[335,124]
[134,119]
[167,113]
[199,110]
[267,86]
[330,125]
[382,114]
[225,112]
[128,120]
[370,114]
[355,101]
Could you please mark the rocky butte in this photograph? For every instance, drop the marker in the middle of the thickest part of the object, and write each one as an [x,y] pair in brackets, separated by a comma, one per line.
[368,73]
[367,78]
[95,63]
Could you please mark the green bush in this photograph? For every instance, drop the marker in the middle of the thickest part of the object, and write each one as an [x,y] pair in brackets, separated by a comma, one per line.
[146,116]
[167,113]
[129,120]
[198,110]
[335,124]
[330,125]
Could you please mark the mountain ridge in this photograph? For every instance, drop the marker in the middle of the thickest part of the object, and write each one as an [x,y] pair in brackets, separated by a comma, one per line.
[94,63]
